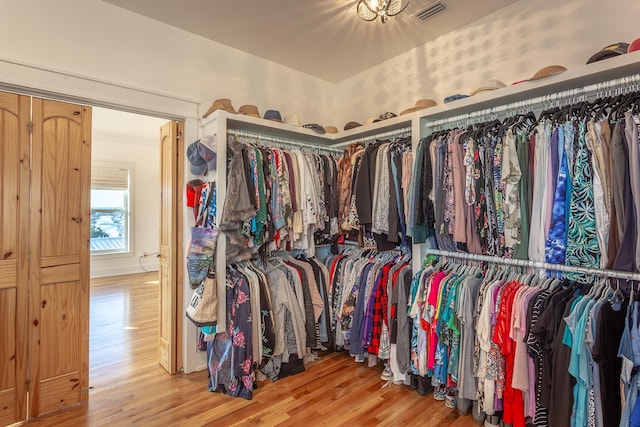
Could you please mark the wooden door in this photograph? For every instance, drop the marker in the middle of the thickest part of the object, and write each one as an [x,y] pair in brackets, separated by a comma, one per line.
[59,260]
[171,202]
[14,268]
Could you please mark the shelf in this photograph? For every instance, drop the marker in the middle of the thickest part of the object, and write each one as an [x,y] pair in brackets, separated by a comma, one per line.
[576,78]
[265,127]
[282,130]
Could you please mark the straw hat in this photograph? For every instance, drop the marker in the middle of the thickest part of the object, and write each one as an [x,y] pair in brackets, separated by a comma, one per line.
[292,119]
[220,104]
[421,104]
[249,110]
[548,71]
[487,85]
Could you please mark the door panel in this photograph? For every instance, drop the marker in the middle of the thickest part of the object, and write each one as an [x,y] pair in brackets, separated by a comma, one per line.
[8,378]
[14,228]
[170,246]
[59,297]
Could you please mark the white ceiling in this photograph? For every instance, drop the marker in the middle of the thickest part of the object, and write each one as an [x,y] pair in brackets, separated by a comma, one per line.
[323,38]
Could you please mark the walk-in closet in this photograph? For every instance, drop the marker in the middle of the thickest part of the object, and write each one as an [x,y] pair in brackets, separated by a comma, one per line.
[366,213]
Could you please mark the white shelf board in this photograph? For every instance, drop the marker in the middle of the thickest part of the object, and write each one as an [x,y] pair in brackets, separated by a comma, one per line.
[579,77]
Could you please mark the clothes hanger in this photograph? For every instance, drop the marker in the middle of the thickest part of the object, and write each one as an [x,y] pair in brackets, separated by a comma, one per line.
[526,120]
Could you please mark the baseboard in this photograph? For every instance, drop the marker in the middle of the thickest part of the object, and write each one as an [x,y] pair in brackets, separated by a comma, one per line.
[121,271]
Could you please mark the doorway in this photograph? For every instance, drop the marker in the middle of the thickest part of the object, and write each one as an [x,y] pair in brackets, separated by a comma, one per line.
[44,289]
[125,247]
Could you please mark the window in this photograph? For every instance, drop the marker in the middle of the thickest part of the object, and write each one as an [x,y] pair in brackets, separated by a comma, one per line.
[110,213]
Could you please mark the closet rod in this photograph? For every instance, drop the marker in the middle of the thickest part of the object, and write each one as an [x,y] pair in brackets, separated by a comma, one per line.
[608,88]
[537,264]
[283,141]
[406,131]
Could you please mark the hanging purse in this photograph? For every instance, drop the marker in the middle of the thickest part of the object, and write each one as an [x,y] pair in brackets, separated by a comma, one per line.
[200,256]
[203,307]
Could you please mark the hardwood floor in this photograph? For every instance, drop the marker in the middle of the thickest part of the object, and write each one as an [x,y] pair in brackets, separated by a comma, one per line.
[130,388]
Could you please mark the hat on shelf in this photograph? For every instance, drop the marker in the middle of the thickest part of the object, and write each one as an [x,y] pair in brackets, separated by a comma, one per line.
[316,127]
[369,120]
[635,45]
[487,85]
[385,116]
[220,104]
[351,125]
[421,104]
[550,70]
[249,110]
[455,97]
[292,119]
[331,129]
[273,115]
[202,158]
[615,49]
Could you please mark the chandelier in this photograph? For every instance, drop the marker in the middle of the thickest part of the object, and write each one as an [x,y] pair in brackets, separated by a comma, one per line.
[370,10]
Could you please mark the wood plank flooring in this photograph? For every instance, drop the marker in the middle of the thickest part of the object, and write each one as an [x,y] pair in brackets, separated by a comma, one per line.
[130,388]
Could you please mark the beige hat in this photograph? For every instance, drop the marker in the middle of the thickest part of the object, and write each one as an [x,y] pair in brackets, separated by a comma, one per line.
[369,120]
[421,104]
[292,119]
[487,85]
[220,104]
[548,71]
[249,110]
[331,129]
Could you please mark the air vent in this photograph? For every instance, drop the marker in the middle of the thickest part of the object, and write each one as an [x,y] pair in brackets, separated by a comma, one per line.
[427,13]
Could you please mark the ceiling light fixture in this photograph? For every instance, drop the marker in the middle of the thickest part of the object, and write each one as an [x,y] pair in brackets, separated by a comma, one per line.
[370,10]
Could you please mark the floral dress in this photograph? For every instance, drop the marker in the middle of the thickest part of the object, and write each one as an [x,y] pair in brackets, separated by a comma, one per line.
[230,353]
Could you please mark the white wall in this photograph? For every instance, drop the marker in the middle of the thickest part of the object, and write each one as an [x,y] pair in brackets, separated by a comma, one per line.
[96,39]
[132,139]
[508,45]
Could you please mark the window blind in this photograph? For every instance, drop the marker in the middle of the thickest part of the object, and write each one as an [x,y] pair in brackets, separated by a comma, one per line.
[104,178]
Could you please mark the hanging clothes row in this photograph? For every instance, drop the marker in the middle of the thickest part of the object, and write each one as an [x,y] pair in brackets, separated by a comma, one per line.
[560,188]
[277,312]
[368,297]
[525,349]
[277,199]
[373,181]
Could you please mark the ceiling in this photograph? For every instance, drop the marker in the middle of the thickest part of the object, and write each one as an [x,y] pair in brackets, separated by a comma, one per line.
[323,38]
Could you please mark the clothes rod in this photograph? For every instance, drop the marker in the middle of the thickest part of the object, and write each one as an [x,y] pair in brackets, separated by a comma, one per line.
[397,132]
[537,264]
[282,141]
[611,87]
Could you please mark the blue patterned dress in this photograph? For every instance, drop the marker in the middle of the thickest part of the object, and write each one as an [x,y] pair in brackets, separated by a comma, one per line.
[582,236]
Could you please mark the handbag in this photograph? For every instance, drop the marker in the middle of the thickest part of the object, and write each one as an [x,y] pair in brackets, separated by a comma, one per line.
[203,307]
[200,255]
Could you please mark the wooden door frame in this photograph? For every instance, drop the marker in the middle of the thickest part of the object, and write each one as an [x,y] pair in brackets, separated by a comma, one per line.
[188,126]
[175,362]
[180,183]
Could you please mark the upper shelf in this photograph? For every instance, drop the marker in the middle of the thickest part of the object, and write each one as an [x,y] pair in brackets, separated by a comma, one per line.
[575,78]
[282,130]
[610,69]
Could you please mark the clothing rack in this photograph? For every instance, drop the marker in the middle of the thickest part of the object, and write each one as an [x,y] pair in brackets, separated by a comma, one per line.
[280,142]
[625,275]
[609,88]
